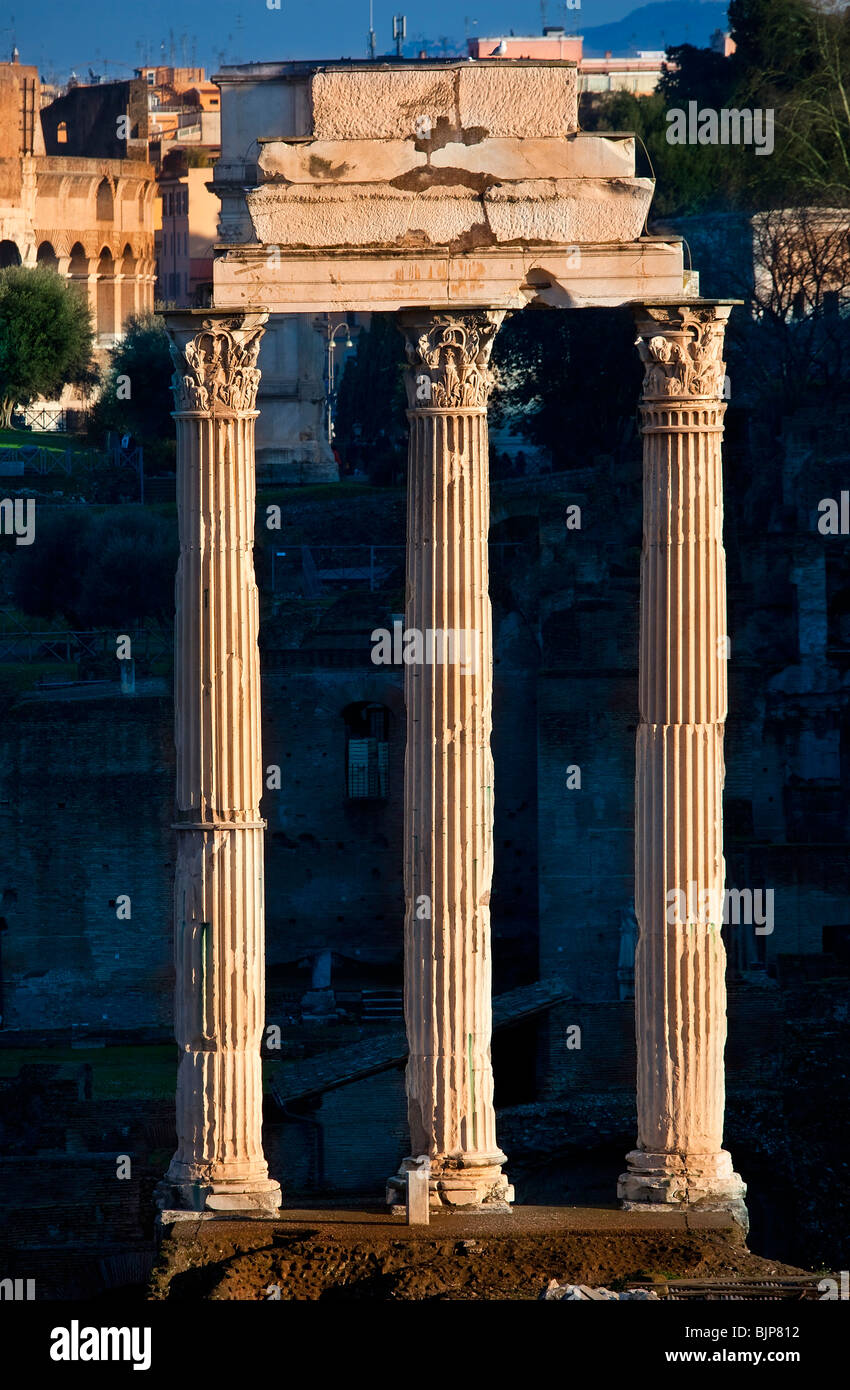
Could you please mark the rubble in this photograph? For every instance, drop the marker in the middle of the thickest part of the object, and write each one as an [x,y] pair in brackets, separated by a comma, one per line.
[583,1293]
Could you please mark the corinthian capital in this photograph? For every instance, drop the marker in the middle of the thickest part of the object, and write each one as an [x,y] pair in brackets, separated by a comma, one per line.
[448,355]
[215,360]
[681,348]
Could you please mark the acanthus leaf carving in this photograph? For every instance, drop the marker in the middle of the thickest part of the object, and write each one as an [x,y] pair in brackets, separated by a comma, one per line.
[216,369]
[683,357]
[448,356]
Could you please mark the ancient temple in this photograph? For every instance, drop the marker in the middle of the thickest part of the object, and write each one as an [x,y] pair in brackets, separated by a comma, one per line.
[449,193]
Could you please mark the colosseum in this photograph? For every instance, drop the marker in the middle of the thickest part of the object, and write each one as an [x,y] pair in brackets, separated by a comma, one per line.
[91,219]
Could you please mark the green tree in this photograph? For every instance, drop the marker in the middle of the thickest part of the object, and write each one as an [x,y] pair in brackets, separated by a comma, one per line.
[817,114]
[45,337]
[793,59]
[697,74]
[773,45]
[98,570]
[136,397]
[371,429]
[688,178]
[566,382]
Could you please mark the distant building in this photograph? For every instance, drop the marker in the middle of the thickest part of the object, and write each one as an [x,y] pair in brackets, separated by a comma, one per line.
[109,120]
[161,76]
[553,43]
[188,233]
[77,192]
[185,116]
[723,43]
[639,73]
[169,116]
[183,108]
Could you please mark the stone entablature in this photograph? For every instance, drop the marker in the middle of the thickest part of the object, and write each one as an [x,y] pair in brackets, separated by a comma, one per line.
[430,184]
[488,99]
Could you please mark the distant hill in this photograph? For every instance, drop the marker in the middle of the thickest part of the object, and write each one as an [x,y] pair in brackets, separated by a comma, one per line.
[652,26]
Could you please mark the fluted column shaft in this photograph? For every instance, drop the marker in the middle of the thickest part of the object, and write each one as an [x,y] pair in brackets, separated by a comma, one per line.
[680,986]
[218,891]
[448,785]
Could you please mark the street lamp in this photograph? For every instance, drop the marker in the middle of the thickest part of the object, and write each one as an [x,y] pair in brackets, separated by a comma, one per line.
[330,331]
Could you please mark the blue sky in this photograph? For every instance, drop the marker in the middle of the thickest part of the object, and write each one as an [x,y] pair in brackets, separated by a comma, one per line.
[113,36]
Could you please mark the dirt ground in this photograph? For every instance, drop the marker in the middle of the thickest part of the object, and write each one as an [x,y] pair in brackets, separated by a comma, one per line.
[366,1255]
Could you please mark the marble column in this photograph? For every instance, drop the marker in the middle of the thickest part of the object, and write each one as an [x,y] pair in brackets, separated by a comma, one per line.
[218,892]
[680,985]
[448,863]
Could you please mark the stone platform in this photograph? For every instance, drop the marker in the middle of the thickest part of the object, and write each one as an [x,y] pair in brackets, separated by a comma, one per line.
[366,1253]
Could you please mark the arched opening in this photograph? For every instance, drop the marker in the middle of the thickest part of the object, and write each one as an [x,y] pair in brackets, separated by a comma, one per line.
[104,202]
[128,283]
[367,727]
[46,256]
[78,271]
[62,133]
[839,621]
[105,294]
[9,255]
[78,267]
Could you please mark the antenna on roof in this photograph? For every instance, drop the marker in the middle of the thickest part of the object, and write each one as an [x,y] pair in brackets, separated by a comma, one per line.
[371,39]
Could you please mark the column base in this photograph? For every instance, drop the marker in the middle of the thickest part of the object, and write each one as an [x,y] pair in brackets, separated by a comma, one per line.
[464,1183]
[184,1192]
[671,1181]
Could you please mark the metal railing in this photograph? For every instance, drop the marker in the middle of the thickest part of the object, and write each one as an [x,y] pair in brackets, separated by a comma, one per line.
[32,458]
[29,458]
[50,418]
[315,567]
[318,568]
[18,643]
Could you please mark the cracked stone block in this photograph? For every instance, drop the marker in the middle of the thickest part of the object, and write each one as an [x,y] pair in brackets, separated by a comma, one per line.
[366,105]
[328,162]
[507,100]
[556,211]
[568,210]
[479,98]
[361,215]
